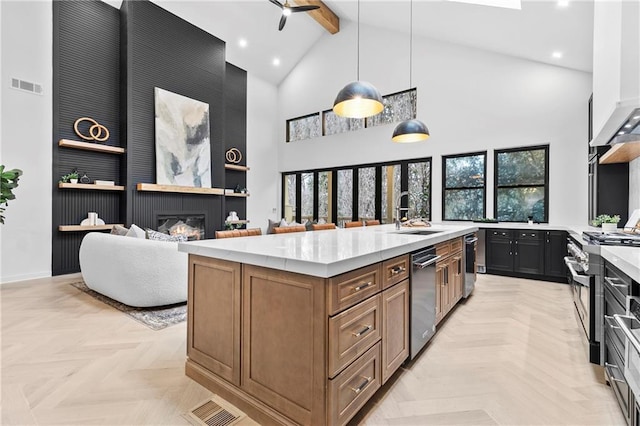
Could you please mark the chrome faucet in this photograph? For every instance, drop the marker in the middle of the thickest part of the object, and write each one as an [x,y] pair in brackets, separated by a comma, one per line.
[398,208]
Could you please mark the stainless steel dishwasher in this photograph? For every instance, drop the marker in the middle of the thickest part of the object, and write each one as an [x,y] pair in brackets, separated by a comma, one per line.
[423,298]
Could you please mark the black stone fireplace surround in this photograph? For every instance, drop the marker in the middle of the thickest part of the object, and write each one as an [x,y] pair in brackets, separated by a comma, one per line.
[133,50]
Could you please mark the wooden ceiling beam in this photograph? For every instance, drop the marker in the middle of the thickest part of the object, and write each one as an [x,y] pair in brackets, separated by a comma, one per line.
[324,16]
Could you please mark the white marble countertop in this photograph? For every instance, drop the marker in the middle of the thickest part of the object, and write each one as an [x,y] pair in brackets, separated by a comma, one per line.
[627,259]
[325,253]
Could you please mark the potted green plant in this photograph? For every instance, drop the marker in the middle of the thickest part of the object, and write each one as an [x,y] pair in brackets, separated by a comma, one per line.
[9,183]
[70,177]
[608,223]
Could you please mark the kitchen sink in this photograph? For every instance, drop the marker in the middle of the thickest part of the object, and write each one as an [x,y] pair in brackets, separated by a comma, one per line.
[417,231]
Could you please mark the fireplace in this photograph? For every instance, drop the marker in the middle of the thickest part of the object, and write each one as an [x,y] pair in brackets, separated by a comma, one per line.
[190,224]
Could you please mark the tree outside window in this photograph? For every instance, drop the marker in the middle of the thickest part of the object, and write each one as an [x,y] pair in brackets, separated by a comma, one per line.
[463,190]
[521,184]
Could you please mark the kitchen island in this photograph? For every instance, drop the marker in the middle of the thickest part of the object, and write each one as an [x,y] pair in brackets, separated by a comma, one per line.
[303,328]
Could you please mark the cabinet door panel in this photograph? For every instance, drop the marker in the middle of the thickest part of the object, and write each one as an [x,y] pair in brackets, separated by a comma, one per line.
[500,250]
[395,328]
[555,251]
[440,289]
[529,253]
[213,336]
[284,333]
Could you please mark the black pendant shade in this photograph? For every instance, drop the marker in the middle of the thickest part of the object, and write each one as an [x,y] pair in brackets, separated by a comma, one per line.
[358,99]
[410,131]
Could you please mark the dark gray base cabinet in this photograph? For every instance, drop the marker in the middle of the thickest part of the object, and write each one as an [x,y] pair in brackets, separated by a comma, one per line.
[526,253]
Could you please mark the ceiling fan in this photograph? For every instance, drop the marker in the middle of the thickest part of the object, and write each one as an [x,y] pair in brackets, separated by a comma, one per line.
[288,10]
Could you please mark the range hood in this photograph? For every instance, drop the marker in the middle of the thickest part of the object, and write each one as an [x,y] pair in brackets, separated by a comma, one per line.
[622,132]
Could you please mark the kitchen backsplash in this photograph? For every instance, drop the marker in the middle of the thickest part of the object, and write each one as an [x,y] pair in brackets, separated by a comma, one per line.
[634,185]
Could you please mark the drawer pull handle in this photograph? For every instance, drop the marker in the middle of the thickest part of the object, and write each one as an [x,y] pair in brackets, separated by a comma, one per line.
[362,386]
[611,375]
[609,317]
[398,270]
[611,283]
[365,330]
[362,286]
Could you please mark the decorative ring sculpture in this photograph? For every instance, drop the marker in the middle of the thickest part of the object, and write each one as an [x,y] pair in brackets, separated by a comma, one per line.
[97,132]
[233,155]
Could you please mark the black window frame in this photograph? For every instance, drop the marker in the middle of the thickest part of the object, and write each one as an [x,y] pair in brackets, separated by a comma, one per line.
[444,184]
[404,185]
[546,180]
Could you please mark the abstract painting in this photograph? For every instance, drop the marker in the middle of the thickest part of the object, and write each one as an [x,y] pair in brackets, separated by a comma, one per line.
[183,143]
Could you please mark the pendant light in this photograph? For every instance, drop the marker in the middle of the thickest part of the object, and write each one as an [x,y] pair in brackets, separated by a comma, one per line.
[358,99]
[412,130]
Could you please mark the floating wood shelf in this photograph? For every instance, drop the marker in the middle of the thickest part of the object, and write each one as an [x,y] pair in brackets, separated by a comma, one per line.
[236,167]
[90,186]
[237,221]
[75,228]
[621,153]
[236,194]
[152,187]
[68,143]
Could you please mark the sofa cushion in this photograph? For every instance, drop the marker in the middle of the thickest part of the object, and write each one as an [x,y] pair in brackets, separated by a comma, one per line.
[159,236]
[119,230]
[136,232]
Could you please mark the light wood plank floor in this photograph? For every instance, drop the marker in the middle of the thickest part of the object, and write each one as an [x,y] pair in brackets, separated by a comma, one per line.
[512,354]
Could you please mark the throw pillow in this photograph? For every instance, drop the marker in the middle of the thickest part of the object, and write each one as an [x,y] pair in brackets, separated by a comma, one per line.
[159,236]
[283,222]
[309,225]
[119,230]
[272,224]
[136,232]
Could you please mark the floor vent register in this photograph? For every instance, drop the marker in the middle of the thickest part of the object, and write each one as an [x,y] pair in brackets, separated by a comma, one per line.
[216,412]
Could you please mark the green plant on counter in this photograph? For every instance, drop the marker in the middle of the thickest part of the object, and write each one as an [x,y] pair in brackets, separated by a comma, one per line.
[605,218]
[9,183]
[66,178]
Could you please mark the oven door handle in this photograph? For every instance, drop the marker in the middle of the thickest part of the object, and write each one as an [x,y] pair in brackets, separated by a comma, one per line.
[622,322]
[581,279]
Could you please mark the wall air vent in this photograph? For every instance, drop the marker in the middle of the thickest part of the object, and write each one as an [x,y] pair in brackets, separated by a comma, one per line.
[26,86]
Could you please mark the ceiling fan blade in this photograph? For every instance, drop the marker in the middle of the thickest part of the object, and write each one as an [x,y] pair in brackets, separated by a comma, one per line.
[283,20]
[277,3]
[303,8]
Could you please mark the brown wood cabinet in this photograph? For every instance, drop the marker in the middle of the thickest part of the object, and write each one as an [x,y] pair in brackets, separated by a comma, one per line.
[449,277]
[289,348]
[395,328]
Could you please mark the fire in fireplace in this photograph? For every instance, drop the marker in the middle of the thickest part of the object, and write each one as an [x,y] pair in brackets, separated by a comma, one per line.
[191,225]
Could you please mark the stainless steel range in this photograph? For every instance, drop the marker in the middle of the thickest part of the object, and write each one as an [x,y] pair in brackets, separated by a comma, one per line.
[612,238]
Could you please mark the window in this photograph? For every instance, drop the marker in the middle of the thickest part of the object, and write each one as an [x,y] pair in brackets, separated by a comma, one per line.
[306,127]
[463,178]
[420,190]
[333,124]
[289,195]
[345,196]
[397,107]
[367,193]
[521,184]
[306,195]
[324,196]
[390,191]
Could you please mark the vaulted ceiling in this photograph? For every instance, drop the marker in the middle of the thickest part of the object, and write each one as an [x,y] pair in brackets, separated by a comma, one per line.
[534,32]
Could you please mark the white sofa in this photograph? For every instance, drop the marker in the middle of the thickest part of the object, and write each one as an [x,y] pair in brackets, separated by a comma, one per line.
[135,271]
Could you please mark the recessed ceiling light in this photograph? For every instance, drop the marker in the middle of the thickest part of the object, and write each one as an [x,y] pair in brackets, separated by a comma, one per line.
[276,62]
[621,132]
[243,42]
[563,3]
[626,126]
[635,117]
[557,54]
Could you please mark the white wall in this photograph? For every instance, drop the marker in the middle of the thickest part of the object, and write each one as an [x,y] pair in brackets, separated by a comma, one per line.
[263,180]
[471,100]
[26,53]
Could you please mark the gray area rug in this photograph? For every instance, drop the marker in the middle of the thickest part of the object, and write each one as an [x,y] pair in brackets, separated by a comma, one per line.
[156,318]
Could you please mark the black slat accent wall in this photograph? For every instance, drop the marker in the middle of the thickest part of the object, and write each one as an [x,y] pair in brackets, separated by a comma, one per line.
[162,50]
[235,91]
[106,65]
[86,82]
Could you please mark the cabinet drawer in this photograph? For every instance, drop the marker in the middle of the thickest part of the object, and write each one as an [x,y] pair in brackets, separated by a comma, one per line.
[443,249]
[499,234]
[395,270]
[352,332]
[456,245]
[351,389]
[529,235]
[352,287]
